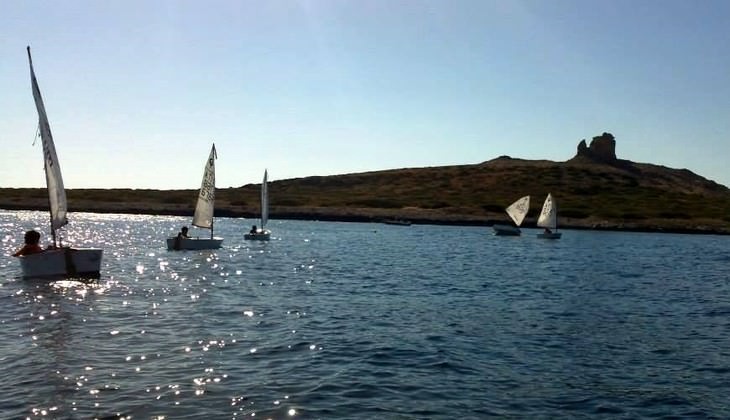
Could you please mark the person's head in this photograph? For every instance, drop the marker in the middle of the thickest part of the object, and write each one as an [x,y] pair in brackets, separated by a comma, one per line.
[32,237]
[184,229]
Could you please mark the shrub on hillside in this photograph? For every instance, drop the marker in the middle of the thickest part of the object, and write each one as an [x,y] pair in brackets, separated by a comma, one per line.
[493,208]
[376,203]
[633,216]
[674,215]
[573,214]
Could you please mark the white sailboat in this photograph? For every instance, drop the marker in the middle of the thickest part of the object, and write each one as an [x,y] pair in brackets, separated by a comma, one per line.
[549,219]
[203,217]
[517,211]
[59,260]
[261,234]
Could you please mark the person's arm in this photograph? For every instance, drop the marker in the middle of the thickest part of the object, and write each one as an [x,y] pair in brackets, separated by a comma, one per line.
[20,252]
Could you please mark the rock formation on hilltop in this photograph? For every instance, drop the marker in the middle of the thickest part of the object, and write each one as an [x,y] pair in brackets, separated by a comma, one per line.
[602,149]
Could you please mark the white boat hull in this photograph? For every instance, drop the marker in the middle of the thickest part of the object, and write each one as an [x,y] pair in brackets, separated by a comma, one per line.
[258,236]
[71,262]
[192,244]
[506,230]
[553,235]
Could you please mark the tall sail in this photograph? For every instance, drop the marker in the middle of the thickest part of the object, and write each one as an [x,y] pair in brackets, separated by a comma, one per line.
[518,210]
[54,182]
[549,215]
[264,201]
[203,217]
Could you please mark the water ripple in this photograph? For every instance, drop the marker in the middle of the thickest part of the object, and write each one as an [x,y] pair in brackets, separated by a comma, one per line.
[347,320]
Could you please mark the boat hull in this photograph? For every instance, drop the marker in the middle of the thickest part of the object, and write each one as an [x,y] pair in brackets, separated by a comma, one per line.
[71,262]
[193,244]
[553,235]
[506,230]
[258,236]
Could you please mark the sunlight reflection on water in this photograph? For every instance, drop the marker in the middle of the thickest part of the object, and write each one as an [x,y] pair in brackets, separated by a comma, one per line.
[349,320]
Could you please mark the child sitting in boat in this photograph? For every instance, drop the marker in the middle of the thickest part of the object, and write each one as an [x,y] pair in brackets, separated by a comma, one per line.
[183,233]
[31,244]
[180,236]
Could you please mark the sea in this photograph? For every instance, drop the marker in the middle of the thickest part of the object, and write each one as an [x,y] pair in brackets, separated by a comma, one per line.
[334,320]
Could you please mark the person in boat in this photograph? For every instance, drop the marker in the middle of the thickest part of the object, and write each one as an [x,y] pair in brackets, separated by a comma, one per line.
[180,236]
[253,230]
[183,232]
[548,231]
[31,244]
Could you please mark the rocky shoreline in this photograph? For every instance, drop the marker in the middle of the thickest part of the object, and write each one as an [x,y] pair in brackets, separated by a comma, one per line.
[415,216]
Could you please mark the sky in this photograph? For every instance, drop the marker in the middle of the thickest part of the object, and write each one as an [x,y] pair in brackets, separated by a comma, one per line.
[136,91]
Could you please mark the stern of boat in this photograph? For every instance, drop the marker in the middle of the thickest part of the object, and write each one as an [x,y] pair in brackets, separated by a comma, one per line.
[82,262]
[506,230]
[554,235]
[264,235]
[193,244]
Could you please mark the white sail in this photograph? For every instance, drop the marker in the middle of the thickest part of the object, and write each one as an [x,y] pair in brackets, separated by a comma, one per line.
[203,217]
[261,234]
[264,201]
[549,215]
[54,182]
[518,210]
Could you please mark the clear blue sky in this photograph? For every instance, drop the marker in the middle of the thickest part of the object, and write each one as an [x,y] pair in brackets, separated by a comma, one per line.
[136,91]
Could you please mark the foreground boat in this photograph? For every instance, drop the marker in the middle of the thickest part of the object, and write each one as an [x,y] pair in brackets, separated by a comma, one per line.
[59,260]
[203,217]
[262,234]
[72,262]
[549,219]
[517,212]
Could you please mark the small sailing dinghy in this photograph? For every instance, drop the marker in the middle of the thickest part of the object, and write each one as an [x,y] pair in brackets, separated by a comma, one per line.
[549,219]
[58,260]
[261,234]
[203,217]
[397,222]
[517,211]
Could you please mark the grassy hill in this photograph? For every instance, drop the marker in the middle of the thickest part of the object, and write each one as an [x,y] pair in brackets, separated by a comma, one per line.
[617,194]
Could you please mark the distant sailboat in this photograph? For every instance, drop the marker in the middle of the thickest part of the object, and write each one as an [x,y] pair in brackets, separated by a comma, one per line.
[517,211]
[549,219]
[397,222]
[60,260]
[203,217]
[262,234]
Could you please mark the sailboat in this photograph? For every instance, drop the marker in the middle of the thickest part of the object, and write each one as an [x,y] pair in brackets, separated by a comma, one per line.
[58,260]
[549,219]
[517,211]
[262,234]
[203,217]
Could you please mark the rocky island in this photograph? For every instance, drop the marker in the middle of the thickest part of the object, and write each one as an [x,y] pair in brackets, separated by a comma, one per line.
[595,190]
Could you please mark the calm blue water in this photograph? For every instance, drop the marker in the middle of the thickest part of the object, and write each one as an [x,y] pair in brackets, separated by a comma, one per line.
[347,320]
